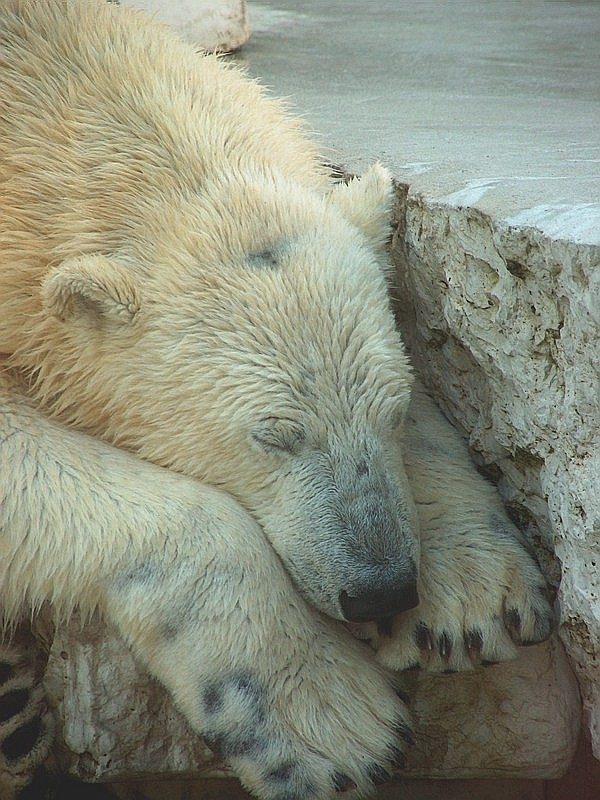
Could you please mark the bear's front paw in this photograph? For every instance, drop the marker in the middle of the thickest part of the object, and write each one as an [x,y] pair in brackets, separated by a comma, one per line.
[320,727]
[482,595]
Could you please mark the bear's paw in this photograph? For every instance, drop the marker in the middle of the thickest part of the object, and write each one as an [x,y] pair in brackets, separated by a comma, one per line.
[482,596]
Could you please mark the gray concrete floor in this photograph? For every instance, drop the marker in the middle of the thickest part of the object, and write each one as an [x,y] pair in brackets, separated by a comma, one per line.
[491,103]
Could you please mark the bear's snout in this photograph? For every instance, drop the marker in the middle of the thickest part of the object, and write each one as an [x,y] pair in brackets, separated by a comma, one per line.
[381,602]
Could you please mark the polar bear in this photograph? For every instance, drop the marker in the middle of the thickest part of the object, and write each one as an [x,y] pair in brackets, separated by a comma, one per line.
[207,429]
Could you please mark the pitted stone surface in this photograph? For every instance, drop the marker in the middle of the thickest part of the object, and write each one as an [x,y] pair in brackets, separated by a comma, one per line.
[505,327]
[519,719]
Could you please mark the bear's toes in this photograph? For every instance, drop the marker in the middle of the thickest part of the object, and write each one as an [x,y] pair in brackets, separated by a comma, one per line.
[439,650]
[532,622]
[473,641]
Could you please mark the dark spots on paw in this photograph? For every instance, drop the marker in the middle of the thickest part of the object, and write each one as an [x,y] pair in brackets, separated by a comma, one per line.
[13,703]
[473,643]
[385,626]
[239,694]
[289,783]
[170,631]
[212,698]
[342,783]
[250,694]
[215,743]
[283,773]
[445,646]
[423,637]
[306,793]
[240,742]
[23,740]
[362,468]
[244,683]
[234,709]
[379,775]
[263,259]
[6,672]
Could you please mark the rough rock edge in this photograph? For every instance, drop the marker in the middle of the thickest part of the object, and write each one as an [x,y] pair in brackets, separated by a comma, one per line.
[504,323]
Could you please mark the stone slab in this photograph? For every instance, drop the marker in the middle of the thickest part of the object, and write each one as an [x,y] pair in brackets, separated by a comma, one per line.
[504,326]
[492,105]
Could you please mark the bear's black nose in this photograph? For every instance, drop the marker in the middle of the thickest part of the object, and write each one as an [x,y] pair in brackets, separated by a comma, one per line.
[383,602]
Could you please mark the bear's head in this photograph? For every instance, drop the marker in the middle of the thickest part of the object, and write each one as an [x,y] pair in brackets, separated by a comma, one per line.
[244,337]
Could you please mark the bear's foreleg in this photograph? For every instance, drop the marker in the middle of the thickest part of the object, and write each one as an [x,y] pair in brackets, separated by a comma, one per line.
[286,696]
[482,593]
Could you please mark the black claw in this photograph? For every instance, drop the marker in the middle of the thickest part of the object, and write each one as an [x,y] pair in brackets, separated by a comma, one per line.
[449,671]
[405,733]
[379,775]
[342,783]
[384,626]
[423,637]
[398,759]
[512,623]
[413,667]
[445,646]
[6,672]
[473,643]
[486,663]
[403,696]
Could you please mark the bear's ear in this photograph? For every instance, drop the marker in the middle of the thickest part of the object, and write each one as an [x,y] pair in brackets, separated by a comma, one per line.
[366,202]
[90,289]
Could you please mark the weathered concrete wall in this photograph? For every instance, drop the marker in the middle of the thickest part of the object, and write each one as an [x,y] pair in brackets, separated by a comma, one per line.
[504,325]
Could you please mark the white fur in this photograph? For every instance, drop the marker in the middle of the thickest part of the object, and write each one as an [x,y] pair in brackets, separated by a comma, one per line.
[191,583]
[179,279]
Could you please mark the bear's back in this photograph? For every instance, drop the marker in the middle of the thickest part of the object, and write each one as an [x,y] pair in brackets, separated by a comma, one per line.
[103,110]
